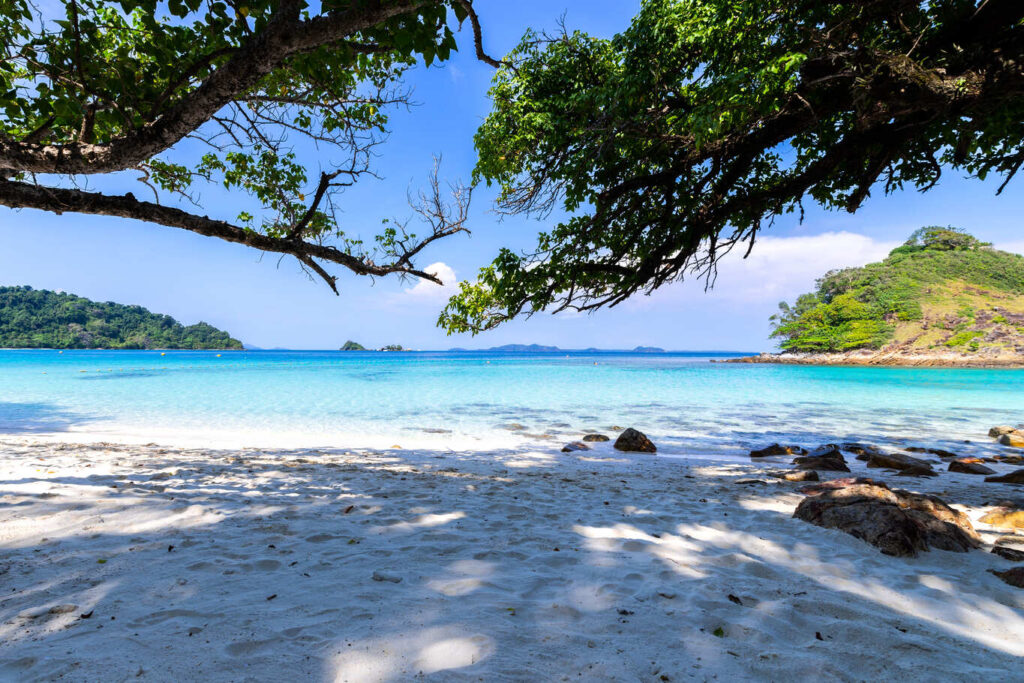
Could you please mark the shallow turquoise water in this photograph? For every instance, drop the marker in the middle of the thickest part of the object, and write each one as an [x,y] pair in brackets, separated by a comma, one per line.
[475,400]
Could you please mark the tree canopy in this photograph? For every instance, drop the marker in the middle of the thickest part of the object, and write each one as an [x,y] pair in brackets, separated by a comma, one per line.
[114,85]
[706,120]
[38,318]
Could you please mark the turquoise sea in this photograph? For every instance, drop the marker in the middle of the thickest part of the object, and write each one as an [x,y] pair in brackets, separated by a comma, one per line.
[479,400]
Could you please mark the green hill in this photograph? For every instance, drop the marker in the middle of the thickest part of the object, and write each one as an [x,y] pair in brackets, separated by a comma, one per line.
[38,318]
[942,290]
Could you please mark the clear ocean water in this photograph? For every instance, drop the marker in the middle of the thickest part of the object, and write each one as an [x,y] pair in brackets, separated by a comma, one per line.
[439,400]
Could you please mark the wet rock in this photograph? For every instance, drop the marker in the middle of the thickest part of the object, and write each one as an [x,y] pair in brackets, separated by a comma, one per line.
[1014,577]
[1009,459]
[596,438]
[1015,440]
[1015,477]
[1004,516]
[1010,554]
[829,450]
[898,522]
[970,466]
[859,449]
[817,462]
[776,449]
[634,441]
[896,461]
[575,446]
[934,451]
[997,432]
[799,475]
[918,471]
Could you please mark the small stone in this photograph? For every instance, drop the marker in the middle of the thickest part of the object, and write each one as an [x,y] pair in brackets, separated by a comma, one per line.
[918,471]
[1010,554]
[1015,440]
[799,475]
[592,438]
[776,449]
[1004,517]
[378,576]
[634,441]
[575,446]
[970,466]
[63,609]
[817,462]
[1014,577]
[896,461]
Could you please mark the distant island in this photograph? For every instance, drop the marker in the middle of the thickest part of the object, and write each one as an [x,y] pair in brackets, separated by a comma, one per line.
[942,298]
[538,348]
[39,318]
[356,346]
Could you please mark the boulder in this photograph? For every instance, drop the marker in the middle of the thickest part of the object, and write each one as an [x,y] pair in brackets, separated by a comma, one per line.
[829,450]
[1015,477]
[1015,440]
[776,449]
[575,446]
[997,432]
[970,466]
[1014,577]
[1010,459]
[1004,516]
[596,437]
[896,461]
[820,462]
[634,441]
[898,522]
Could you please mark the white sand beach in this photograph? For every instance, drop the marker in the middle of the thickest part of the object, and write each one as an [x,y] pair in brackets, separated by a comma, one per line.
[128,562]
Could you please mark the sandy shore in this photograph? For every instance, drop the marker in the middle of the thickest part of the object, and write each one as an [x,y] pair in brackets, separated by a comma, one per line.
[126,562]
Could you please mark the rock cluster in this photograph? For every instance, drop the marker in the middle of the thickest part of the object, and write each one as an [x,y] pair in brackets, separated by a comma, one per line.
[898,522]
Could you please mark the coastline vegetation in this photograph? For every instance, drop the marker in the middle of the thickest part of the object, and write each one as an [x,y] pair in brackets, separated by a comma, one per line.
[942,288]
[38,318]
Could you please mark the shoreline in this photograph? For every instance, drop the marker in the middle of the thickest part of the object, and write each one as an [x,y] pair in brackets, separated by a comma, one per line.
[508,564]
[881,359]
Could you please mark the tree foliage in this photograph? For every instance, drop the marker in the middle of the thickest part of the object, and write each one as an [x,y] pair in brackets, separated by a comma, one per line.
[685,135]
[33,318]
[860,307]
[187,94]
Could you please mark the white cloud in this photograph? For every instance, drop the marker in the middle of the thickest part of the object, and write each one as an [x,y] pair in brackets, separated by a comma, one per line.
[425,289]
[1014,247]
[778,268]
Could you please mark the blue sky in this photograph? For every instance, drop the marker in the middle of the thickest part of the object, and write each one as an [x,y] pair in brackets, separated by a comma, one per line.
[270,304]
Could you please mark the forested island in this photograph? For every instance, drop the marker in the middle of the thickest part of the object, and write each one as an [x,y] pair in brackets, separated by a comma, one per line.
[39,318]
[942,298]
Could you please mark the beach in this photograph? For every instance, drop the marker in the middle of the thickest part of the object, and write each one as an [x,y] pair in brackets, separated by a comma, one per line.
[148,562]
